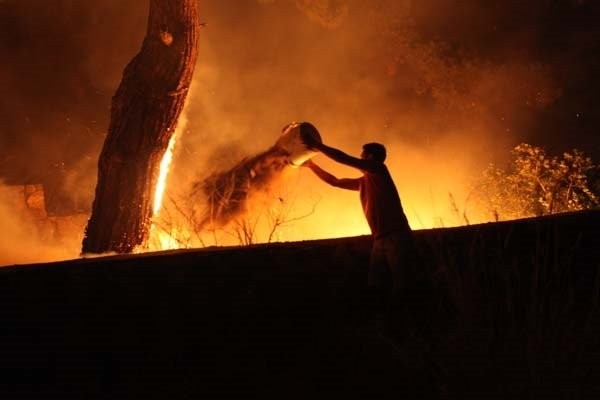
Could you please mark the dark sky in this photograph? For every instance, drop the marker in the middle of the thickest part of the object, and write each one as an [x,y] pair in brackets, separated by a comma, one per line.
[497,71]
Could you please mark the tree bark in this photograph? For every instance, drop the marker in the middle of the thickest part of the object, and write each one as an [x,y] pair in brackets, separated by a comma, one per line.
[144,113]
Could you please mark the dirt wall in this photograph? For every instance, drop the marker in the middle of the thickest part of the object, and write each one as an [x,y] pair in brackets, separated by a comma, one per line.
[289,319]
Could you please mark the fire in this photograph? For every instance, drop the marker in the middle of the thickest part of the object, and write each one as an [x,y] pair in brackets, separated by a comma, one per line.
[261,200]
[162,175]
[159,239]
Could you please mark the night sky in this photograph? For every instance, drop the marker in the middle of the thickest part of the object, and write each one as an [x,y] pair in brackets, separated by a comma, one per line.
[495,73]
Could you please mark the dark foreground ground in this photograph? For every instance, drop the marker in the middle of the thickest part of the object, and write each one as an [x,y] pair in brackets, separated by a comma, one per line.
[511,311]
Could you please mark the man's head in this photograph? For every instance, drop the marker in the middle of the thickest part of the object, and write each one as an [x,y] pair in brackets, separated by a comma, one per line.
[374,151]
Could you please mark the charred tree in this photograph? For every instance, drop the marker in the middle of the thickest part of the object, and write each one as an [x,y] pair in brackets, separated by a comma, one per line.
[144,113]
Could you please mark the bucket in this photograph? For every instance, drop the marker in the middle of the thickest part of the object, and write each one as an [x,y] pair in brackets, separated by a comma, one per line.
[291,141]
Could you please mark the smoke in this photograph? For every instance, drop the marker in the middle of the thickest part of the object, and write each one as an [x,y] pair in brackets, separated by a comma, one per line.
[29,235]
[63,61]
[446,87]
[360,72]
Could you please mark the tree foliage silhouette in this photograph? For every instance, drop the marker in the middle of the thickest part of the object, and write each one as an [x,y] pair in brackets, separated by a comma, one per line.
[535,183]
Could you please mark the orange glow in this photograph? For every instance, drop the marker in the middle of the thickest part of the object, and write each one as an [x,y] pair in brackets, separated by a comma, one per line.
[444,113]
[298,206]
[159,238]
[162,175]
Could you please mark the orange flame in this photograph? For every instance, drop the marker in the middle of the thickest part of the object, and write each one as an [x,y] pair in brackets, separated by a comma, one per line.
[160,240]
[162,175]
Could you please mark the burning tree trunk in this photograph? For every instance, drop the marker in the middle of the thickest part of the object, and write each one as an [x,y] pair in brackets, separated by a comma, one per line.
[144,114]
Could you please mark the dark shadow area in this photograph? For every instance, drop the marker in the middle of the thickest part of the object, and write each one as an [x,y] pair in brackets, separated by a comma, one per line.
[511,311]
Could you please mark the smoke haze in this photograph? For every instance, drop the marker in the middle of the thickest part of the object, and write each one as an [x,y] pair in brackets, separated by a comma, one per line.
[446,87]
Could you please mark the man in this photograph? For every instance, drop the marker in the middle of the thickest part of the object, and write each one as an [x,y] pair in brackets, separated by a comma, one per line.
[393,251]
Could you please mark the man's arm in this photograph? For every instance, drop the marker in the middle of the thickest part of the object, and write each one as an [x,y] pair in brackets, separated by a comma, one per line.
[346,159]
[341,157]
[344,183]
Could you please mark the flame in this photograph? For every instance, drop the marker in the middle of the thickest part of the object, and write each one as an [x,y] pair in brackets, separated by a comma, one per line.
[298,206]
[301,207]
[160,240]
[162,175]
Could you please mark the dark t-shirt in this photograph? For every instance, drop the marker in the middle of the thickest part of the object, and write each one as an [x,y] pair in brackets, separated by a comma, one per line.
[381,203]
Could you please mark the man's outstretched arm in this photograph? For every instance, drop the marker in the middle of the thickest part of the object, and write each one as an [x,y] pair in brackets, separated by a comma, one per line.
[341,157]
[346,159]
[344,183]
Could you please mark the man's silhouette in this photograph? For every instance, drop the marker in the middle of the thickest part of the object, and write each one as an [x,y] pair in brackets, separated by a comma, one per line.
[392,259]
[394,268]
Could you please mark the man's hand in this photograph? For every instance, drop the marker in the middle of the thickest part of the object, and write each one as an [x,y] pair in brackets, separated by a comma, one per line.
[307,164]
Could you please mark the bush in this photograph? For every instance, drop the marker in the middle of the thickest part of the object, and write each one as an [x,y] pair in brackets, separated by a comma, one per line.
[535,183]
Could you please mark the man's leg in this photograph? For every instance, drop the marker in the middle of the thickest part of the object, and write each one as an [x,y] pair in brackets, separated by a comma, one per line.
[397,251]
[378,283]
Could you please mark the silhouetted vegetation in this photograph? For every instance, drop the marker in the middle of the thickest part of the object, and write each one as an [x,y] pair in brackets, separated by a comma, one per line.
[535,183]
